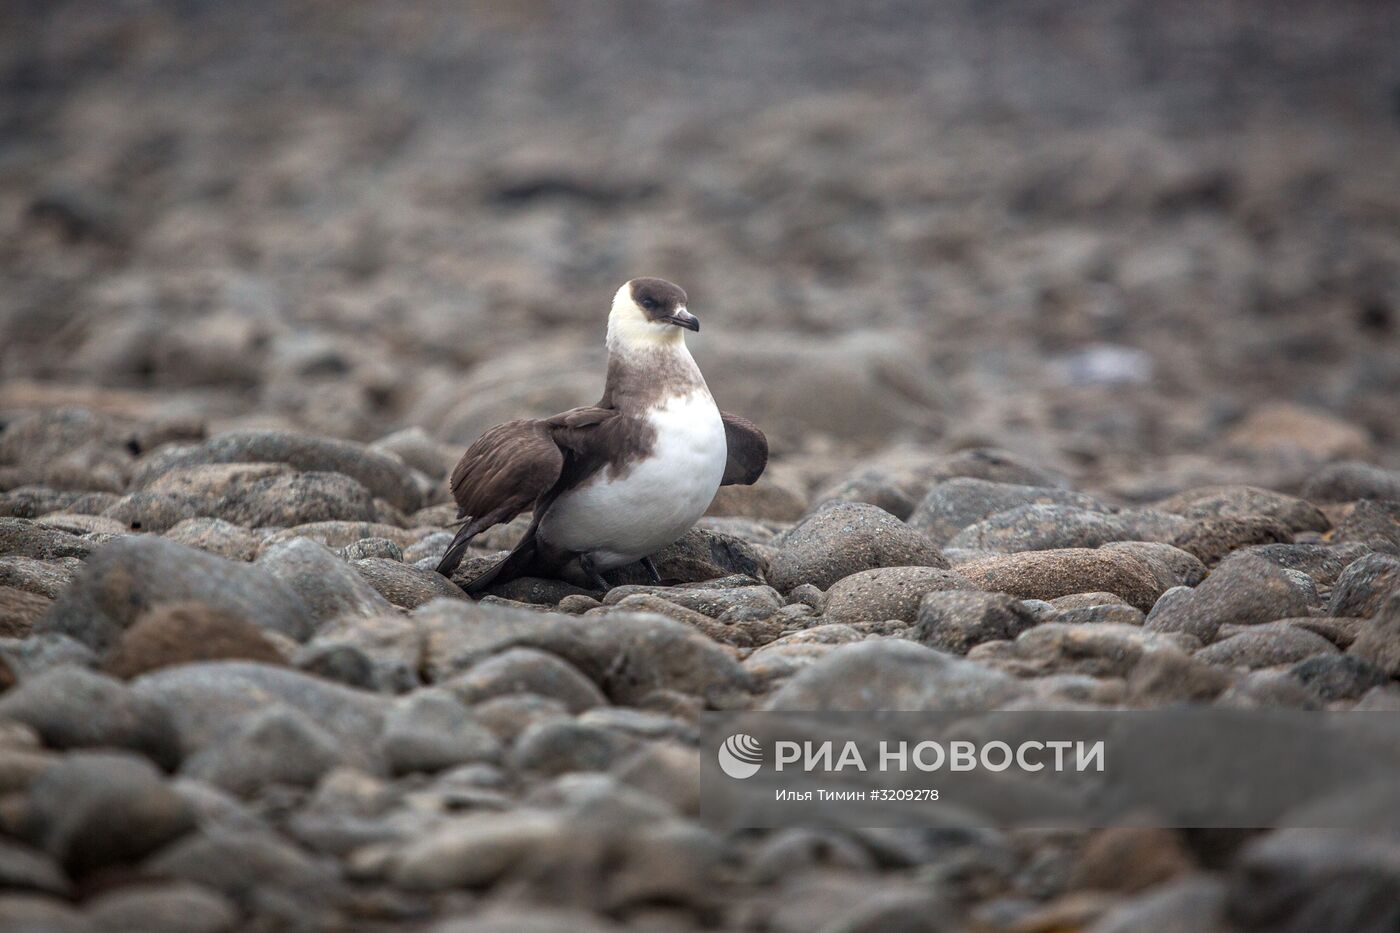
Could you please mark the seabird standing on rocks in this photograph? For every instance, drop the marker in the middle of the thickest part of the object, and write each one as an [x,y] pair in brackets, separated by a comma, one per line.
[613,483]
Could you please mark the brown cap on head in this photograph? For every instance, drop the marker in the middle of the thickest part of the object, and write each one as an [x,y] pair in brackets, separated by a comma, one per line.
[661,301]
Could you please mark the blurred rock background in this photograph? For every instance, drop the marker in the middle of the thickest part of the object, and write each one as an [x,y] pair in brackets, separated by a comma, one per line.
[1148,244]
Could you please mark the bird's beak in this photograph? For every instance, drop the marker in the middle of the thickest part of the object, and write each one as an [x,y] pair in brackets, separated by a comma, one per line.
[683,318]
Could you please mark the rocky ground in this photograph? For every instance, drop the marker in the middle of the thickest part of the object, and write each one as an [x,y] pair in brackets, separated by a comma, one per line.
[1075,336]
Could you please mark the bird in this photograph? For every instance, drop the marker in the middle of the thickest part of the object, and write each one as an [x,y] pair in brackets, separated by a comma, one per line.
[609,484]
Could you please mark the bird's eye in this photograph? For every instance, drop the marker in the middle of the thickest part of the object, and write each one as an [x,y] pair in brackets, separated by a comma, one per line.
[649,304]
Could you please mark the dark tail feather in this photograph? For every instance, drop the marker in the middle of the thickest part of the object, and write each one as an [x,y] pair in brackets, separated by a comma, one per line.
[458,547]
[515,564]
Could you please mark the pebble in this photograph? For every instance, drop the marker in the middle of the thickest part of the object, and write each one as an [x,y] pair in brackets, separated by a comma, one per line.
[628,655]
[430,730]
[182,633]
[1378,641]
[956,503]
[1375,525]
[405,586]
[385,475]
[19,610]
[893,675]
[21,537]
[207,699]
[178,907]
[846,538]
[1299,880]
[1269,647]
[215,536]
[326,584]
[1244,590]
[1364,586]
[92,810]
[1212,539]
[887,593]
[1041,528]
[1099,650]
[40,577]
[1339,676]
[1207,502]
[1050,574]
[956,620]
[150,571]
[1349,481]
[266,747]
[72,707]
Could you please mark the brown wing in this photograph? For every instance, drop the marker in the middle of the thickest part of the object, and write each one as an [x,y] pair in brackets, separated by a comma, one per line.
[507,469]
[513,466]
[748,451]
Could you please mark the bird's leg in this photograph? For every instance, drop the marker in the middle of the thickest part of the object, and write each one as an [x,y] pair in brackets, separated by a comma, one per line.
[651,569]
[590,570]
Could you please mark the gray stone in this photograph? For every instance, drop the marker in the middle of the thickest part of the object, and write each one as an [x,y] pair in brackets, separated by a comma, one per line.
[956,620]
[208,701]
[1170,564]
[1208,502]
[325,583]
[128,577]
[1267,648]
[1051,574]
[1323,562]
[1041,528]
[156,512]
[1375,525]
[957,503]
[430,731]
[1099,650]
[628,655]
[26,869]
[178,907]
[269,746]
[893,675]
[526,670]
[26,657]
[91,810]
[1301,881]
[216,536]
[1190,905]
[1212,539]
[71,707]
[372,548]
[1379,641]
[1350,481]
[563,746]
[477,850]
[20,537]
[41,577]
[846,538]
[1241,591]
[1339,676]
[251,869]
[383,474]
[298,499]
[382,653]
[887,593]
[404,586]
[755,601]
[1364,586]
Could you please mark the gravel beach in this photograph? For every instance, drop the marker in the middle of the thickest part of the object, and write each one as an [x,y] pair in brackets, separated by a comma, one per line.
[1075,331]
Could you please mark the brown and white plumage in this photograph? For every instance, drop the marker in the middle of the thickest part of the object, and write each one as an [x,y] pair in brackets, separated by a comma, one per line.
[612,483]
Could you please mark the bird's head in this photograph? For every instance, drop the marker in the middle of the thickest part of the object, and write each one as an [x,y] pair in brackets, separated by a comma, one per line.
[649,312]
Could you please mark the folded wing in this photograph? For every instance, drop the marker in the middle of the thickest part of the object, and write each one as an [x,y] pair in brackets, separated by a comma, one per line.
[512,468]
[748,451]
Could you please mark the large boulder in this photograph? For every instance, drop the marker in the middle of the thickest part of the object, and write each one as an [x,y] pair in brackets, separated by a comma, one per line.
[132,576]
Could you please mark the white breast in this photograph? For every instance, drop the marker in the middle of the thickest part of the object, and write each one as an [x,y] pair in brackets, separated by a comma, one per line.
[621,519]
